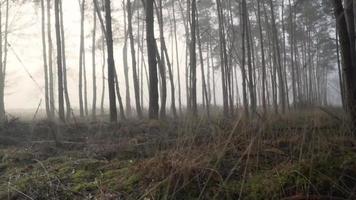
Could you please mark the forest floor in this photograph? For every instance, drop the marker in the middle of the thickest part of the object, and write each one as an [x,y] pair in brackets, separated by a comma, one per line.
[302,155]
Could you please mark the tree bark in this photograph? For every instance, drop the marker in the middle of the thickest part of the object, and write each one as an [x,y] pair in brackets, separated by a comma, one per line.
[151,51]
[44,54]
[65,84]
[59,62]
[347,47]
[50,60]
[133,60]
[94,65]
[125,62]
[81,59]
[111,62]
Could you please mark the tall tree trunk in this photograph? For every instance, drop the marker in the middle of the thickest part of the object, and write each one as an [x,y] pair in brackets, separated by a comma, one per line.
[341,79]
[133,60]
[125,62]
[6,46]
[294,90]
[65,84]
[249,61]
[347,46]
[243,69]
[3,64]
[177,59]
[193,69]
[50,60]
[94,65]
[284,56]
[204,88]
[165,59]
[111,62]
[44,54]
[223,58]
[281,87]
[162,61]
[102,110]
[151,51]
[59,61]
[212,70]
[264,105]
[81,59]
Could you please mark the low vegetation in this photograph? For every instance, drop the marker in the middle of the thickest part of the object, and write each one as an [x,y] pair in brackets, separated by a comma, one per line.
[304,155]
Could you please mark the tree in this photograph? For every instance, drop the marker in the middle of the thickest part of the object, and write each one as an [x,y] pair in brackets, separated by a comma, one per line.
[45,65]
[59,60]
[64,67]
[111,62]
[223,58]
[81,58]
[177,58]
[3,62]
[125,62]
[345,27]
[152,62]
[264,104]
[133,60]
[94,64]
[50,60]
[281,87]
[193,60]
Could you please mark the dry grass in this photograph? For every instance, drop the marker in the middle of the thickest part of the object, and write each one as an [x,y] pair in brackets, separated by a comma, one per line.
[302,155]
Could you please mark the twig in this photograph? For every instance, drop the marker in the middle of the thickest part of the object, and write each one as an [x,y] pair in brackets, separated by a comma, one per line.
[18,191]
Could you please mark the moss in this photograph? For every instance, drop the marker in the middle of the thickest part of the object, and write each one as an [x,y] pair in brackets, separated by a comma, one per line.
[85,187]
[81,176]
[322,176]
[129,182]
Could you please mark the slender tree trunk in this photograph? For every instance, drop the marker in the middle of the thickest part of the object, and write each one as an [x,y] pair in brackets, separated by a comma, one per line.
[294,90]
[44,54]
[59,61]
[125,62]
[50,60]
[208,74]
[222,58]
[133,60]
[243,69]
[151,51]
[111,62]
[284,57]
[204,88]
[6,43]
[165,59]
[281,87]
[162,61]
[193,76]
[249,61]
[81,59]
[121,105]
[264,105]
[341,80]
[102,110]
[2,76]
[65,84]
[211,55]
[94,65]
[177,59]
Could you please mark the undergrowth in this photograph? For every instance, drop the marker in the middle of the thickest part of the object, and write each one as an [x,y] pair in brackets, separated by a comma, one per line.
[304,155]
